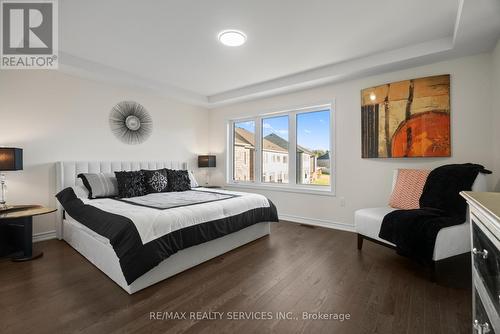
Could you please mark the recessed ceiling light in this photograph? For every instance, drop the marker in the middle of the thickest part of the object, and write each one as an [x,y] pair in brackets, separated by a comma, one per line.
[232,37]
[373,97]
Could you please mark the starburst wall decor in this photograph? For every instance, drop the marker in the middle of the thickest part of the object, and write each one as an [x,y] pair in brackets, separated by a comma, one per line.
[130,122]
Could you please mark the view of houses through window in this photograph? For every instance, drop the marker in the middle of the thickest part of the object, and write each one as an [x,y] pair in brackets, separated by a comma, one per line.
[244,151]
[275,149]
[313,144]
[312,148]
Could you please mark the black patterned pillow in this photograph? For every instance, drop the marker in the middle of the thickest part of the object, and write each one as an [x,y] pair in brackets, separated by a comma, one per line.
[178,180]
[156,180]
[131,184]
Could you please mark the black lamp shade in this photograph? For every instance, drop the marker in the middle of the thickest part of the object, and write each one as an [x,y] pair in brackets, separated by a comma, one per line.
[206,161]
[11,158]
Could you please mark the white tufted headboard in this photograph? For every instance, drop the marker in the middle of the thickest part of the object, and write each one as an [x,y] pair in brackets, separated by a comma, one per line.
[67,172]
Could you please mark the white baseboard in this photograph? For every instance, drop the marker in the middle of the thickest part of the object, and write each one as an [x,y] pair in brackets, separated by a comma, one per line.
[296,219]
[44,236]
[318,222]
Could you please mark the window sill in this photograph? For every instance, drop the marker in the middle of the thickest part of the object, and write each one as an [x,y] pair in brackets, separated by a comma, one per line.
[312,190]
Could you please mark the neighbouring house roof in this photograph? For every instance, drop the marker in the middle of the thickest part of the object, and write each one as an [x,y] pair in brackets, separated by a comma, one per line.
[244,137]
[281,144]
[325,156]
[271,142]
[302,149]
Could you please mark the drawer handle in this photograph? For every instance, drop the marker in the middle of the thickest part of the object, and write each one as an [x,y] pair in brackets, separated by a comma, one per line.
[484,253]
[481,329]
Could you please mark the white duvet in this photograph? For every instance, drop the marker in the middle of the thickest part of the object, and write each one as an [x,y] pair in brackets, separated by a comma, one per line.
[154,223]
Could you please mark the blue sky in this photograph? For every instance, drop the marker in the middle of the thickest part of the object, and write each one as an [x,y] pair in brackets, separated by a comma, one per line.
[277,125]
[248,125]
[313,128]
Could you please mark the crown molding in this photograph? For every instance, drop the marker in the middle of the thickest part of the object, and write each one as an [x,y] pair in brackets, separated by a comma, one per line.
[77,66]
[372,64]
[458,19]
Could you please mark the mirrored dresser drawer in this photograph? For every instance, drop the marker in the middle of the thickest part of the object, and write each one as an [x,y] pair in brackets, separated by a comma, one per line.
[481,323]
[484,212]
[486,260]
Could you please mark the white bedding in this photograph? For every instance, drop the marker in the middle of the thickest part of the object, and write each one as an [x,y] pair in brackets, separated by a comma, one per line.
[154,223]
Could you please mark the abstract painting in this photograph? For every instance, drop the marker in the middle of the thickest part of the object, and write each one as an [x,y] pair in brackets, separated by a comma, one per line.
[408,118]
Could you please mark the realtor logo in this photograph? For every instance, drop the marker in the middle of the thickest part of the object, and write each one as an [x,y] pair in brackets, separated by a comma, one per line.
[29,34]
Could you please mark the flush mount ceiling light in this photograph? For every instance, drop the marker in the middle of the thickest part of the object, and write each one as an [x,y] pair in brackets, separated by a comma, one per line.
[232,37]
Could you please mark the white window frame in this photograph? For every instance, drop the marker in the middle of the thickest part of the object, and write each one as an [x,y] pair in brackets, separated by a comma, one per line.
[292,186]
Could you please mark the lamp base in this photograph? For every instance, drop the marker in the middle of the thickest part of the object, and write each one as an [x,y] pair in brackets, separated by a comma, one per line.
[5,207]
[24,258]
[3,190]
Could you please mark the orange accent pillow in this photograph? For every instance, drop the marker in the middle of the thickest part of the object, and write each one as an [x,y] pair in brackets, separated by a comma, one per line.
[408,189]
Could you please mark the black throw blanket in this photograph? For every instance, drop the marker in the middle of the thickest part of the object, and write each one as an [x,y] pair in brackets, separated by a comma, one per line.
[414,232]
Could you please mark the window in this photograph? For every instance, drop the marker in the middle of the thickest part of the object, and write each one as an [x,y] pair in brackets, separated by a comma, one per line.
[243,151]
[274,141]
[313,148]
[290,150]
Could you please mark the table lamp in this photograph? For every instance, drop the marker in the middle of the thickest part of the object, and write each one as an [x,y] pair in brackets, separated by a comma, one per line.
[10,159]
[206,161]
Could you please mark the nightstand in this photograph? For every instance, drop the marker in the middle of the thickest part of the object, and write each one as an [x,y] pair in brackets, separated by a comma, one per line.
[22,216]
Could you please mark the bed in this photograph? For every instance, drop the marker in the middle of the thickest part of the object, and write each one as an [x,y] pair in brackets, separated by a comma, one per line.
[80,232]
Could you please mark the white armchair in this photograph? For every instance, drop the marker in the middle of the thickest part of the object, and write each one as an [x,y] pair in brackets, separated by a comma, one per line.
[450,241]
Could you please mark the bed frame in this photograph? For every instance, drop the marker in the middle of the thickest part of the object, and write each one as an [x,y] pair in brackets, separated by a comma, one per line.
[100,253]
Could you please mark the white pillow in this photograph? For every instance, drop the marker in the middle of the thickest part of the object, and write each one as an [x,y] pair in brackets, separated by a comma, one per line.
[194,183]
[80,190]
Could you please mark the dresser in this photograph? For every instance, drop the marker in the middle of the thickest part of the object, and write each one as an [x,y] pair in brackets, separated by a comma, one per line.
[484,217]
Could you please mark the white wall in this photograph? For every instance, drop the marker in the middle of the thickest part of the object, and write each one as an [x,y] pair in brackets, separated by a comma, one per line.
[367,182]
[54,117]
[495,105]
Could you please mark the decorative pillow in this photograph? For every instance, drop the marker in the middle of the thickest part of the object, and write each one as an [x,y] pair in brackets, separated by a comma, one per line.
[408,189]
[192,179]
[100,185]
[80,191]
[178,180]
[131,184]
[156,180]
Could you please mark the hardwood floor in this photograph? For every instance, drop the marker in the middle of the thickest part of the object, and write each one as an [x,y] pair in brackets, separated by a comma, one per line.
[296,269]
